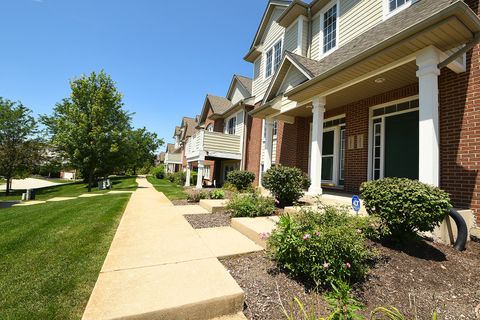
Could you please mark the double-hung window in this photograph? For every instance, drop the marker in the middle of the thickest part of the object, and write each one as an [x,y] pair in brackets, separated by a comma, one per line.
[232,123]
[391,7]
[273,58]
[329,26]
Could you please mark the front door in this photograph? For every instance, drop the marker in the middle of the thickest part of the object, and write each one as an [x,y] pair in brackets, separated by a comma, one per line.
[401,145]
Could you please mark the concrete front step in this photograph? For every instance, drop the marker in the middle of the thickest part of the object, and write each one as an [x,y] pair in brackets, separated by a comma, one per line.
[213,206]
[253,228]
[199,289]
[227,242]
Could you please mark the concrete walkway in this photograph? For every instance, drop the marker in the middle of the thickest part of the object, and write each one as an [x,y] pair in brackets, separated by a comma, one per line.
[29,183]
[158,267]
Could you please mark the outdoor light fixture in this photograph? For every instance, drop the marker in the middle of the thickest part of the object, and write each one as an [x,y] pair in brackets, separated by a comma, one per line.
[380,80]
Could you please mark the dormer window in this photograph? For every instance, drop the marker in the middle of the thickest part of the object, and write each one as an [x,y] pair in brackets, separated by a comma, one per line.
[329,27]
[273,58]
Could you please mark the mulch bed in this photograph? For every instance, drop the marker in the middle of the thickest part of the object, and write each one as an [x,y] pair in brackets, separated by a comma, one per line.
[209,220]
[423,276]
[184,203]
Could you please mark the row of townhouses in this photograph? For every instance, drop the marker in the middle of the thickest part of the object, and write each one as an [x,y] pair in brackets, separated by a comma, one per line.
[349,91]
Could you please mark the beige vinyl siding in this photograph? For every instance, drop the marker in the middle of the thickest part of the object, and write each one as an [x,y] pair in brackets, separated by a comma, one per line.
[214,141]
[293,78]
[315,47]
[305,38]
[238,94]
[256,69]
[291,38]
[239,124]
[357,17]
[273,33]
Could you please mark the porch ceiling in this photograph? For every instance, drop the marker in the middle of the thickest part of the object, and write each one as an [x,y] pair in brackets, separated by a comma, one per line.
[393,79]
[445,35]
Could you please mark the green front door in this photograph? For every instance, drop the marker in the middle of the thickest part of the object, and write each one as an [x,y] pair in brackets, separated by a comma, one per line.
[401,145]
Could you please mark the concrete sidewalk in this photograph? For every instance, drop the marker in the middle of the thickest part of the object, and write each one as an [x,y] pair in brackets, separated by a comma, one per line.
[158,267]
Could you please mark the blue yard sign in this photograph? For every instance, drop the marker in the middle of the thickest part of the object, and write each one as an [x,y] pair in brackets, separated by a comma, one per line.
[356,204]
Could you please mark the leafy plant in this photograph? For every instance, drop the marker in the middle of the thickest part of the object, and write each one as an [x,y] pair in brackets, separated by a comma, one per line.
[321,245]
[179,178]
[241,180]
[170,177]
[405,206]
[392,313]
[251,205]
[158,172]
[196,195]
[287,184]
[217,194]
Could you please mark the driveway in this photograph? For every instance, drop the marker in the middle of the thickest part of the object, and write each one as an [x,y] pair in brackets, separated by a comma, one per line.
[29,183]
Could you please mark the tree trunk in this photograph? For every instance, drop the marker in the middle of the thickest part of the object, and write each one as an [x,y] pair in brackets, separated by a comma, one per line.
[8,186]
[90,181]
[134,171]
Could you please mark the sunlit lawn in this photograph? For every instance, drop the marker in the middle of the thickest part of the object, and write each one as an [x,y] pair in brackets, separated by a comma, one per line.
[170,189]
[51,254]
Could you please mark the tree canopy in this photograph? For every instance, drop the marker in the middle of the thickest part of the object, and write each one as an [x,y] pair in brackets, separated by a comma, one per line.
[19,148]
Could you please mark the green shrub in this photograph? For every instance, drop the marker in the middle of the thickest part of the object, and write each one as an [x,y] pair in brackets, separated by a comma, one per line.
[158,172]
[170,177]
[405,206]
[321,245]
[196,195]
[179,178]
[217,194]
[229,187]
[287,184]
[251,205]
[242,180]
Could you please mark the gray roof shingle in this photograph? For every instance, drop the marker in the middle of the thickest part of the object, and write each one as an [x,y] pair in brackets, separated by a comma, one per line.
[219,104]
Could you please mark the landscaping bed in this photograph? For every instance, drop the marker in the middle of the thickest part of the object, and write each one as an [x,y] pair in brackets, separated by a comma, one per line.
[425,277]
[209,220]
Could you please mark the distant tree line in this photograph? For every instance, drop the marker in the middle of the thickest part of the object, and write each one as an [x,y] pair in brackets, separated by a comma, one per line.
[89,131]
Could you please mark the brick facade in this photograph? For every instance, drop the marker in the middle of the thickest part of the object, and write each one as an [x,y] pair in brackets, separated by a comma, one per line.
[460,131]
[253,146]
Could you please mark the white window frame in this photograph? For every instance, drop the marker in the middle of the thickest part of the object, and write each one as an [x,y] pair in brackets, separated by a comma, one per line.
[234,128]
[272,49]
[386,8]
[210,127]
[206,172]
[337,31]
[371,150]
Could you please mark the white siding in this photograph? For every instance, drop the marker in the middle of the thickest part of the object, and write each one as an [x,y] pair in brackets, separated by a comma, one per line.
[305,38]
[256,69]
[291,38]
[293,78]
[273,32]
[357,17]
[238,94]
[239,124]
[315,47]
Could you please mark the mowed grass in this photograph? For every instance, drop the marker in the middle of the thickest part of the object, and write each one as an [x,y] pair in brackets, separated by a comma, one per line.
[51,255]
[171,190]
[75,189]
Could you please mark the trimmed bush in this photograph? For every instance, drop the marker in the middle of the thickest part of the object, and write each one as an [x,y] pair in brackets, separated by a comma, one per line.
[241,180]
[179,178]
[158,172]
[217,194]
[287,184]
[321,245]
[405,206]
[196,195]
[251,205]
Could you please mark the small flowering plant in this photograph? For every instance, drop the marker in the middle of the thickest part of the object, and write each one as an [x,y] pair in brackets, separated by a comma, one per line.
[324,246]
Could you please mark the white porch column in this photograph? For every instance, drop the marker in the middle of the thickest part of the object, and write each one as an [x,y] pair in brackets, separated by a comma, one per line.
[201,165]
[429,132]
[267,158]
[187,180]
[318,109]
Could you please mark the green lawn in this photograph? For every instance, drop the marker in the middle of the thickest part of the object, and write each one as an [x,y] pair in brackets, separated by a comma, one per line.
[171,190]
[75,189]
[51,255]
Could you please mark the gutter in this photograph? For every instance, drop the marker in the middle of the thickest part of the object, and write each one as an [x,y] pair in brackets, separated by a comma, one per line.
[437,17]
[469,45]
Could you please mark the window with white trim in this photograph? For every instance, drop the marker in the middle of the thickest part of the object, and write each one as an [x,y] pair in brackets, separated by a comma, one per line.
[274,129]
[273,58]
[329,27]
[397,4]
[232,123]
[206,172]
[210,127]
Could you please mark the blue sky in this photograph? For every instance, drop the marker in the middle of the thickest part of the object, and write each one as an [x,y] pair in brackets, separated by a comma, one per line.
[164,55]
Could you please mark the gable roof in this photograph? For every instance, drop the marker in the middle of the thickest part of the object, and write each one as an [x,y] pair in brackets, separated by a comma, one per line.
[245,82]
[177,131]
[218,104]
[170,147]
[294,10]
[253,53]
[189,124]
[364,44]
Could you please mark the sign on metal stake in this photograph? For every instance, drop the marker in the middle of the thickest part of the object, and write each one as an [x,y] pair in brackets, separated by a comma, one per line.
[356,203]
